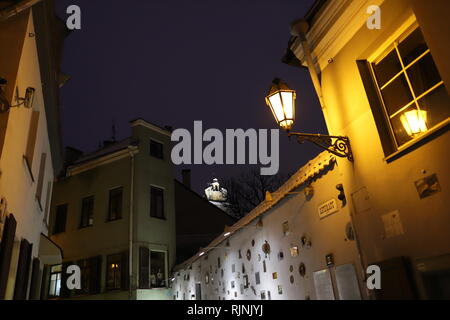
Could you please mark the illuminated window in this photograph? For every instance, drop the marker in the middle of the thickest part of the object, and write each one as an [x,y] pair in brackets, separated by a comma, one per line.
[55,281]
[413,96]
[158,274]
[114,272]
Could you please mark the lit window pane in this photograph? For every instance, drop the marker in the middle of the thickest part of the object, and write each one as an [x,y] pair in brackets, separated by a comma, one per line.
[412,47]
[157,269]
[397,94]
[437,105]
[423,75]
[58,285]
[56,268]
[400,132]
[387,68]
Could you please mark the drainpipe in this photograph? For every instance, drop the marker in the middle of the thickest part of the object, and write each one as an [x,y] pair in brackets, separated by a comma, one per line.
[130,256]
[299,28]
[11,11]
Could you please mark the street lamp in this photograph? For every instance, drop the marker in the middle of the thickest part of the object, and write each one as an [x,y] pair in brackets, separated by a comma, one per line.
[281,101]
[230,230]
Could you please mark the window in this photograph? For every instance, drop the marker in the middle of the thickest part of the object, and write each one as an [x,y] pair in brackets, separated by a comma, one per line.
[152,269]
[413,96]
[55,281]
[87,212]
[47,201]
[115,271]
[156,149]
[115,204]
[158,269]
[32,134]
[90,275]
[156,202]
[60,219]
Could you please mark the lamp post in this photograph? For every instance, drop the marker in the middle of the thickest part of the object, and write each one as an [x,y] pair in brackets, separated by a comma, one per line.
[281,101]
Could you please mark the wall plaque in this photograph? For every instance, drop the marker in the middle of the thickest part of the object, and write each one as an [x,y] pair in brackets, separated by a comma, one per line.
[327,208]
[427,186]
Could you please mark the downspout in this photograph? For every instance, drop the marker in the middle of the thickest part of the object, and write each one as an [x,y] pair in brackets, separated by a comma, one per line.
[299,28]
[130,249]
[11,11]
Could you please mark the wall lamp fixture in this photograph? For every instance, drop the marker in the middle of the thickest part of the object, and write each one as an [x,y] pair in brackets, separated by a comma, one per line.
[281,100]
[203,250]
[228,230]
[26,101]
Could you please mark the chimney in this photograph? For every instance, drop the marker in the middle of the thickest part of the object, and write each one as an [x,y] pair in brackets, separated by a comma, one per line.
[71,155]
[186,176]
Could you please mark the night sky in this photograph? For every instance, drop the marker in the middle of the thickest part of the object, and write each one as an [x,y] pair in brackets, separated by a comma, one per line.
[173,62]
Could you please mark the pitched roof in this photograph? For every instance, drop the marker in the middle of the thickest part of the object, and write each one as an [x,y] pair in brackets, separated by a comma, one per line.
[114,147]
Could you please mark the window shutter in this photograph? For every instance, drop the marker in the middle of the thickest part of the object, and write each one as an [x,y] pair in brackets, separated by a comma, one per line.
[95,275]
[23,270]
[144,268]
[45,282]
[32,134]
[6,248]
[41,179]
[35,276]
[64,292]
[124,271]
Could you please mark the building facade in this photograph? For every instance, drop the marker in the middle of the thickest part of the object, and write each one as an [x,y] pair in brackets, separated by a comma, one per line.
[299,239]
[30,151]
[113,214]
[198,220]
[387,89]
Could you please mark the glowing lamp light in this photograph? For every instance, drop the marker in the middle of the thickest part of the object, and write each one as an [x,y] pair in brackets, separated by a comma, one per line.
[201,253]
[414,122]
[226,234]
[281,100]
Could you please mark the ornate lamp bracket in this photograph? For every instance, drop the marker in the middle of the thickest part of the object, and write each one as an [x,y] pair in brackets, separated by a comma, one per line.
[337,145]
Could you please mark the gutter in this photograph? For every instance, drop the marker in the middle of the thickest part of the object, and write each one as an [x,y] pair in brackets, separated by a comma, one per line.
[13,10]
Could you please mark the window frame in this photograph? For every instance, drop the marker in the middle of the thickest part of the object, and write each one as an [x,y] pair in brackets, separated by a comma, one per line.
[108,217]
[55,224]
[391,45]
[122,260]
[165,273]
[157,155]
[82,226]
[56,281]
